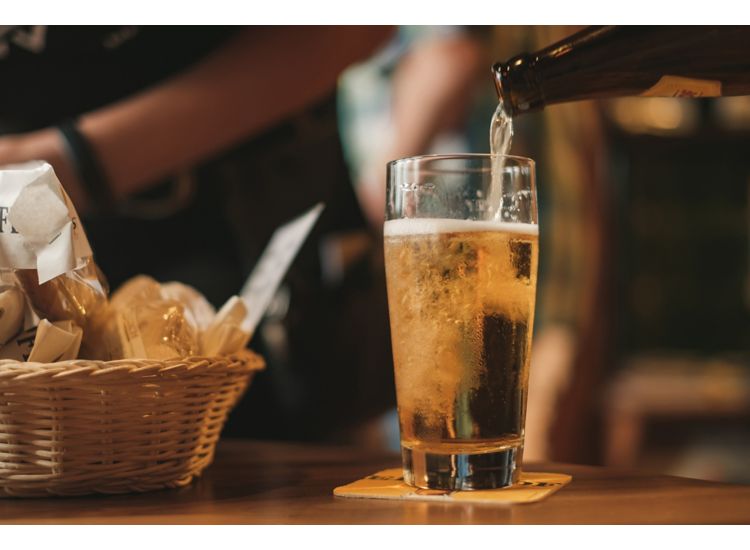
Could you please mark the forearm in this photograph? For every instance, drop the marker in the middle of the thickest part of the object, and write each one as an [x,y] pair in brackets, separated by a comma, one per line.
[432,88]
[45,145]
[261,77]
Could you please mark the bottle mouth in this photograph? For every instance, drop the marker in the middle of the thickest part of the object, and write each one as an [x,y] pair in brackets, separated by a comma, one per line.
[517,85]
[499,76]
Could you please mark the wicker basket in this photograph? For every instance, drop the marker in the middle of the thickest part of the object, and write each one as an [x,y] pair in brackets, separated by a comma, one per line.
[78,427]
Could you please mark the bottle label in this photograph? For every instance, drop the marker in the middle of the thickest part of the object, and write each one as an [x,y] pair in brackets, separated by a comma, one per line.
[679,86]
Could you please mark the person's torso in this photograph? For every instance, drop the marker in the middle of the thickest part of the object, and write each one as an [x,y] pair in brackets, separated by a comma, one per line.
[53,72]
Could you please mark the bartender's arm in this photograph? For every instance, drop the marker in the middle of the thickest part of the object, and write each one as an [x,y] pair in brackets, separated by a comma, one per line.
[257,79]
[431,93]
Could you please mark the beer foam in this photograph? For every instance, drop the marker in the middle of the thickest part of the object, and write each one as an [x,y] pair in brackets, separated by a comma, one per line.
[422,226]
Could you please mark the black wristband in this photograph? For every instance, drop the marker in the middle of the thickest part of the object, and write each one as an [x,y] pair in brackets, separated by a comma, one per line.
[87,166]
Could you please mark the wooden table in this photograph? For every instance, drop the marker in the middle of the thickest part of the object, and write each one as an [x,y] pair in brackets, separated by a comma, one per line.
[254,482]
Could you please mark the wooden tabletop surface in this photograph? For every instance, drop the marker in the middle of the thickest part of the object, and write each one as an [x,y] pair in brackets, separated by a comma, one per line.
[280,483]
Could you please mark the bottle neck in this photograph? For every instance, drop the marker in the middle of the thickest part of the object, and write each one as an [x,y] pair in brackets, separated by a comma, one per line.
[517,85]
[529,82]
[617,61]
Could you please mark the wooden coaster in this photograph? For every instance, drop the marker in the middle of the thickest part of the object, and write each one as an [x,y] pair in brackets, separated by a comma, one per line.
[389,484]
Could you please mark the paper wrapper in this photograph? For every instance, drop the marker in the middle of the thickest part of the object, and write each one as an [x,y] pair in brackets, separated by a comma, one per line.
[19,348]
[44,249]
[45,343]
[225,334]
[39,226]
[140,322]
[76,295]
[43,244]
[389,485]
[195,303]
[147,320]
[58,341]
[157,330]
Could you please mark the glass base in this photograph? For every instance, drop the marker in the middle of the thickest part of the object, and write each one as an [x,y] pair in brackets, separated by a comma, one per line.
[462,472]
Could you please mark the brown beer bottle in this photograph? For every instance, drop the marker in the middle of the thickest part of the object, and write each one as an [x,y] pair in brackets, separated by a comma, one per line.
[616,61]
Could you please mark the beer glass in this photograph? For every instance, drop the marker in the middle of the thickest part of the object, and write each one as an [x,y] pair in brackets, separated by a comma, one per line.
[461,250]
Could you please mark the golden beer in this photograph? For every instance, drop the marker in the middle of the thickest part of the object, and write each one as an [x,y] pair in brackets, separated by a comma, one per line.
[461,299]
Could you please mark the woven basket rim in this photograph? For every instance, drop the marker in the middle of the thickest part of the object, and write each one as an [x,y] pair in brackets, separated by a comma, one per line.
[245,360]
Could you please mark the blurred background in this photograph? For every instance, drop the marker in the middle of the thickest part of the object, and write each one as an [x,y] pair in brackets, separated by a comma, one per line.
[641,351]
[210,140]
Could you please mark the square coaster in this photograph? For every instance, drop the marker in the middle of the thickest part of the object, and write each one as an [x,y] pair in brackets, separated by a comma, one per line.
[389,484]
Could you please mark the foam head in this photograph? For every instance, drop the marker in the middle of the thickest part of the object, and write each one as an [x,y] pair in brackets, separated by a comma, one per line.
[426,226]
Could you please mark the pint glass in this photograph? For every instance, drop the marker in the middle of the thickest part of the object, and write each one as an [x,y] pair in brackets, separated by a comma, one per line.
[461,249]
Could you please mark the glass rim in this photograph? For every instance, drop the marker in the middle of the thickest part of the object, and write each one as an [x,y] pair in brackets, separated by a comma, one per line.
[457,156]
